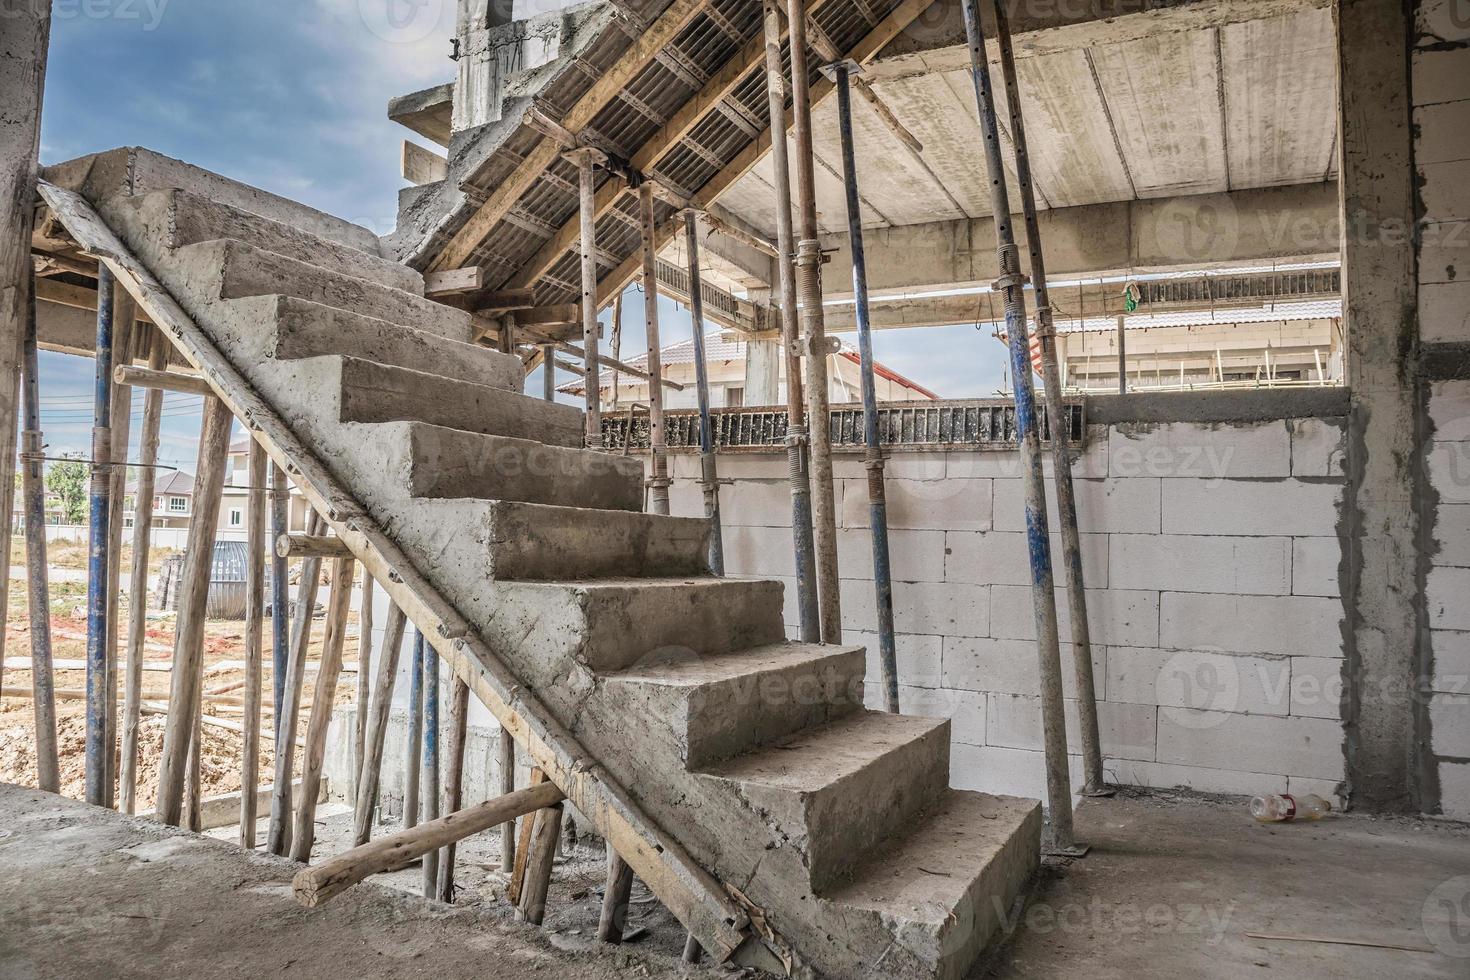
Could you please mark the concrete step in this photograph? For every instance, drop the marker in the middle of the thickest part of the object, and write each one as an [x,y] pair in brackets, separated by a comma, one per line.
[621,623]
[718,707]
[128,171]
[444,462]
[537,542]
[373,392]
[241,271]
[178,218]
[836,790]
[304,329]
[927,903]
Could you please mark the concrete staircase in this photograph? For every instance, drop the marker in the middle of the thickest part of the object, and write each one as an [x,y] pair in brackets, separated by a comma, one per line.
[754,753]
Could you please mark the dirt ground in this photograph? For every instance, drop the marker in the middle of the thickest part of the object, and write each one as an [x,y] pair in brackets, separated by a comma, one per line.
[221,764]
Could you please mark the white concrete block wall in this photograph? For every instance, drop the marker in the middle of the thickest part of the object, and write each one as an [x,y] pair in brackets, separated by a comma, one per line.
[1212,559]
[1441,95]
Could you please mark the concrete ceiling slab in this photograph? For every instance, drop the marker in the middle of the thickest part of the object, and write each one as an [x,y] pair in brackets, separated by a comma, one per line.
[1280,99]
[1163,94]
[1068,132]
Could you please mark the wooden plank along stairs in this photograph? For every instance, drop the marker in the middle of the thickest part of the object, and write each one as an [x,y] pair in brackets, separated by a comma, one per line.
[737,773]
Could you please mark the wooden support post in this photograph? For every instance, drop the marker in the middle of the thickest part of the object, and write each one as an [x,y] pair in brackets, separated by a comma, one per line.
[138,584]
[430,778]
[311,546]
[126,328]
[615,899]
[323,700]
[278,837]
[507,785]
[317,885]
[25,34]
[160,379]
[99,507]
[586,160]
[658,481]
[188,662]
[523,848]
[254,639]
[364,689]
[415,734]
[459,711]
[280,599]
[43,683]
[370,773]
[539,862]
[692,950]
[617,350]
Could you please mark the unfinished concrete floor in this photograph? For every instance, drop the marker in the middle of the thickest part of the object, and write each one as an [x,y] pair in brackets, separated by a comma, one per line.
[1173,885]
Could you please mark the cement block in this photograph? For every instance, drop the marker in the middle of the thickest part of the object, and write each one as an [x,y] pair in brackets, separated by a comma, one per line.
[1318,447]
[1449,725]
[1449,410]
[1089,462]
[919,657]
[923,504]
[753,503]
[758,551]
[1011,666]
[1317,687]
[1451,661]
[1129,506]
[837,790]
[1443,190]
[1126,730]
[923,466]
[1443,132]
[1283,625]
[964,709]
[1116,616]
[1199,679]
[930,608]
[1440,75]
[1444,254]
[1250,507]
[995,769]
[373,392]
[1449,471]
[1454,790]
[1130,772]
[1002,558]
[1193,563]
[1199,451]
[1316,567]
[1252,743]
[1444,312]
[914,556]
[1444,597]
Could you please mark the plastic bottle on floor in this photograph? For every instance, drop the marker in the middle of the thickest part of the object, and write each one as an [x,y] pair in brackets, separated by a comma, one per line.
[1284,808]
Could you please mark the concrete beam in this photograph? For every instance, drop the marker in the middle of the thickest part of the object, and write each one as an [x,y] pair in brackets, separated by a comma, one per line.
[936,42]
[1202,231]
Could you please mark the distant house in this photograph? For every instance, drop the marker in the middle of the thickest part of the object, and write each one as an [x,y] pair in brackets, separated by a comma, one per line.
[731,377]
[173,497]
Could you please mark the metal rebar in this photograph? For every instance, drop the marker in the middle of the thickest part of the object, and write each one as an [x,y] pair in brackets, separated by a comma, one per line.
[33,486]
[797,461]
[709,468]
[815,344]
[1056,411]
[658,481]
[97,547]
[873,450]
[1043,594]
[429,787]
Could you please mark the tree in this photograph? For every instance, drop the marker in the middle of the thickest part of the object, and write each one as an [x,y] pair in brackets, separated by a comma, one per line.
[67,479]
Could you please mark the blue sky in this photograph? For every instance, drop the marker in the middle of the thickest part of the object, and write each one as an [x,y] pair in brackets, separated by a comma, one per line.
[291,96]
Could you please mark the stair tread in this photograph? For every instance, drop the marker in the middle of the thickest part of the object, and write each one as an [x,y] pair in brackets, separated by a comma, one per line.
[817,758]
[946,851]
[697,671]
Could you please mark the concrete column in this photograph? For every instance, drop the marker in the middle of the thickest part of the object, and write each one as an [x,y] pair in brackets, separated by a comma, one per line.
[25,34]
[1381,577]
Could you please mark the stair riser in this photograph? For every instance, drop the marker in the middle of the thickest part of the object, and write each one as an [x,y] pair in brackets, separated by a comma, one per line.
[243,271]
[534,543]
[180,219]
[446,463]
[380,393]
[306,329]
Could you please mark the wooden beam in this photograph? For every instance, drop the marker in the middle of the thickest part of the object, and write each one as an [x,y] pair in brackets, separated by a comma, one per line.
[451,282]
[862,52]
[311,546]
[186,384]
[639,54]
[550,316]
[321,883]
[749,58]
[420,166]
[504,301]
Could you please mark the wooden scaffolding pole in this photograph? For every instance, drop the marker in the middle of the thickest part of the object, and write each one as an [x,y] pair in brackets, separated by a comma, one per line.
[125,313]
[323,700]
[377,730]
[43,681]
[364,689]
[254,641]
[459,712]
